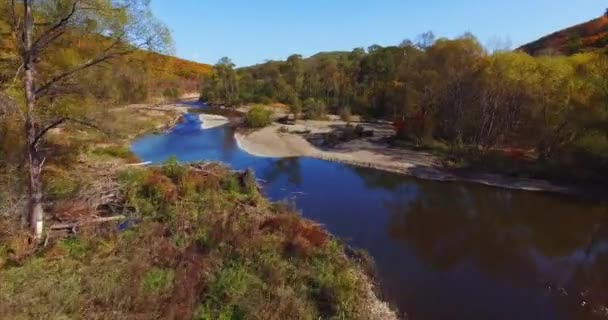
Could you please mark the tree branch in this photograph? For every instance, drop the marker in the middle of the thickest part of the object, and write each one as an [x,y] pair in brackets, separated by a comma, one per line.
[74,225]
[60,121]
[52,33]
[106,55]
[54,124]
[16,24]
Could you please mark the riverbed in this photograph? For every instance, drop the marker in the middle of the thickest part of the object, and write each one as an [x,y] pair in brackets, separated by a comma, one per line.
[443,250]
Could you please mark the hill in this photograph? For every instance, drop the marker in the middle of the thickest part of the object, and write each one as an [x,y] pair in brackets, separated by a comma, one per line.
[591,35]
[176,66]
[136,77]
[328,54]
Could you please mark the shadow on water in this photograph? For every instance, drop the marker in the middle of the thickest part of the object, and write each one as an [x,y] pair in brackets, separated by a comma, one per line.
[442,250]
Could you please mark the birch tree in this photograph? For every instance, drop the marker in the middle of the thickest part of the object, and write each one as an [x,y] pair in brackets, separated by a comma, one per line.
[118,26]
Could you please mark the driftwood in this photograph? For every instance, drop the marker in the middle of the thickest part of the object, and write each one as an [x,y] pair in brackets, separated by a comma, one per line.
[140,164]
[74,225]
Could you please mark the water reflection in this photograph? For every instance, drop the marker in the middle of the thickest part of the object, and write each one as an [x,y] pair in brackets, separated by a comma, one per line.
[284,167]
[443,250]
[535,245]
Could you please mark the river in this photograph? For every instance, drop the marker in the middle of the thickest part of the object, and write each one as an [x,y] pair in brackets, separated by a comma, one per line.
[443,250]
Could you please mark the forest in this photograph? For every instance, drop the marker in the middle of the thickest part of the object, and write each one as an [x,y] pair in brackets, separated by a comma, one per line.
[552,109]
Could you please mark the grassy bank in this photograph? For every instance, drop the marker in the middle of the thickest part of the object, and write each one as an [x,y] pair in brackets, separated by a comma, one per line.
[195,242]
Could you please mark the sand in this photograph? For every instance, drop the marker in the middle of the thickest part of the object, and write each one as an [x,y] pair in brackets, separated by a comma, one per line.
[269,142]
[211,121]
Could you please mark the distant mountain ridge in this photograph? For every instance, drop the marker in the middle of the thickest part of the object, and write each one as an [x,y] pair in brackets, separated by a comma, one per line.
[587,36]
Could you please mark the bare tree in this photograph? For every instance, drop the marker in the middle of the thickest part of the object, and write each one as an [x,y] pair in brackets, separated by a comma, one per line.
[125,26]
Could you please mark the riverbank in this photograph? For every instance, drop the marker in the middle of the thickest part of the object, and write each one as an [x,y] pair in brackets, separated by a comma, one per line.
[171,241]
[210,121]
[371,152]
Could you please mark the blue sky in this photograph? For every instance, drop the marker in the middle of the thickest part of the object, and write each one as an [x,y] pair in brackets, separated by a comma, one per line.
[252,31]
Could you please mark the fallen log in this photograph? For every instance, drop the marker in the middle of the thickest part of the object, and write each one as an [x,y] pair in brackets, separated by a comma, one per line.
[72,226]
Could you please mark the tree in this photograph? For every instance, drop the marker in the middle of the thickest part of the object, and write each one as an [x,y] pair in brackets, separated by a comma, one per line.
[295,72]
[295,104]
[226,76]
[425,40]
[121,27]
[314,109]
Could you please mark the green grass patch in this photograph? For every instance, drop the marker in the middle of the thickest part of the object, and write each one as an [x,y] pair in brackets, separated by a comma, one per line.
[158,280]
[74,247]
[114,151]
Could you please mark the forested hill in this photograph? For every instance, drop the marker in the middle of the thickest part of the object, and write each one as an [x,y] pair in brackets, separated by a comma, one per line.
[176,66]
[587,36]
[135,77]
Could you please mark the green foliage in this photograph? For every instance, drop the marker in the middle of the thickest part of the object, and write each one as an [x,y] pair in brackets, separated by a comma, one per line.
[172,169]
[454,92]
[114,151]
[335,288]
[158,280]
[74,247]
[61,186]
[233,285]
[314,109]
[258,117]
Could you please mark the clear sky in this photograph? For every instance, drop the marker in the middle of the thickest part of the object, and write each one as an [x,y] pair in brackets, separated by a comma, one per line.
[252,31]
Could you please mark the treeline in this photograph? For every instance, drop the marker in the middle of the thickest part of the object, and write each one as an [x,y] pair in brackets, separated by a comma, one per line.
[454,91]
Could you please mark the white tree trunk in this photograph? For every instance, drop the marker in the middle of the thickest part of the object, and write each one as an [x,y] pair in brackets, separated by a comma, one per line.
[35,210]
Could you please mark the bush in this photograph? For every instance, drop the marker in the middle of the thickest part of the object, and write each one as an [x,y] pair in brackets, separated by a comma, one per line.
[258,117]
[345,114]
[171,93]
[158,280]
[121,152]
[314,109]
[61,186]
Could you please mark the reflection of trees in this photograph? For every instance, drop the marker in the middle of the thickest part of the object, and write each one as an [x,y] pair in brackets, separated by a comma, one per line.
[376,179]
[593,280]
[497,230]
[285,166]
[229,146]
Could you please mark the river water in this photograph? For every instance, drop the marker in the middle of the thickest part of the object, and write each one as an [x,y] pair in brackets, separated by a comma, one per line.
[442,250]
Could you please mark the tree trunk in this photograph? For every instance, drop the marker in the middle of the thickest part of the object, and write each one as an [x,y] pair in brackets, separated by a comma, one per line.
[35,211]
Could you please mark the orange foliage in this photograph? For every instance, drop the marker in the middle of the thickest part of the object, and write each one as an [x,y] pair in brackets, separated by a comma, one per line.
[157,182]
[302,236]
[592,34]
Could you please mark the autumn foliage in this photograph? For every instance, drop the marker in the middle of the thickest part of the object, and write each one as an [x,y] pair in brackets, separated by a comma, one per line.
[590,35]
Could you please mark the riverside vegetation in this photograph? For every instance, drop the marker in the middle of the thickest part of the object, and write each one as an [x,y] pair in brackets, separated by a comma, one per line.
[121,241]
[197,242]
[541,116]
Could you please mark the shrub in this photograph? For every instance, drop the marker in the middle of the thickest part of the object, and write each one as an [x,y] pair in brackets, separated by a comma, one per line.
[172,169]
[345,114]
[314,109]
[171,93]
[61,186]
[158,280]
[114,151]
[74,247]
[258,117]
[234,285]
